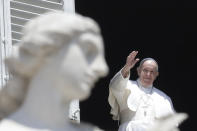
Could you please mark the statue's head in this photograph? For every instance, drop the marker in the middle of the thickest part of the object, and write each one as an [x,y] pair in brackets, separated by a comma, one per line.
[66,49]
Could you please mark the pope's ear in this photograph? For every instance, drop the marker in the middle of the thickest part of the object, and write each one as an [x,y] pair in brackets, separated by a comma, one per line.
[138,71]
[157,74]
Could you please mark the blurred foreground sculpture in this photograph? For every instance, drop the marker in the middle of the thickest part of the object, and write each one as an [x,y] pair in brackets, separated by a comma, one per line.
[60,57]
[169,123]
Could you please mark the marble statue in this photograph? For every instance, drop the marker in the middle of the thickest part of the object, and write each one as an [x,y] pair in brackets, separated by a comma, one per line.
[60,57]
[169,122]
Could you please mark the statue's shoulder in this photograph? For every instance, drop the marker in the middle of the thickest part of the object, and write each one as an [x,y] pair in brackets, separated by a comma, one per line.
[86,127]
[11,125]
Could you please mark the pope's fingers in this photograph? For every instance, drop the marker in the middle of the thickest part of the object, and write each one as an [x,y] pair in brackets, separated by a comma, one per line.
[136,60]
[133,54]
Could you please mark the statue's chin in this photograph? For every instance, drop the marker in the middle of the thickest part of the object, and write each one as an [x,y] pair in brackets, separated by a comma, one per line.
[84,91]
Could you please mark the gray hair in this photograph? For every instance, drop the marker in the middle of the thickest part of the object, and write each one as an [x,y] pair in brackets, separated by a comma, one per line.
[43,36]
[146,59]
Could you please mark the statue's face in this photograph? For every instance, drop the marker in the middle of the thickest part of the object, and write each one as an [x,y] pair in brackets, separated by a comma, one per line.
[78,65]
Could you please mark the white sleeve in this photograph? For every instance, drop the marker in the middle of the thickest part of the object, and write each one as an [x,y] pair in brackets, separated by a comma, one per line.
[117,84]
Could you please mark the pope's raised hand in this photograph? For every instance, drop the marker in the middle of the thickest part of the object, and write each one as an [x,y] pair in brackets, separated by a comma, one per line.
[130,63]
[131,60]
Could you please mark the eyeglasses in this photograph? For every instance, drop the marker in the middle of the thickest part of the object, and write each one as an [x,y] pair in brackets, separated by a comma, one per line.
[149,71]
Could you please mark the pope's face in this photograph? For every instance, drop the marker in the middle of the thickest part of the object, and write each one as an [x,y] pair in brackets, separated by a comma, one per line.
[79,65]
[148,73]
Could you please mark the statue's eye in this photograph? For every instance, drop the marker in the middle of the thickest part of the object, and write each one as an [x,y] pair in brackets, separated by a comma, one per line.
[89,49]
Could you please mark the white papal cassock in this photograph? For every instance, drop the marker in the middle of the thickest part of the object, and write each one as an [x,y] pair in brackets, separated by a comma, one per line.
[135,106]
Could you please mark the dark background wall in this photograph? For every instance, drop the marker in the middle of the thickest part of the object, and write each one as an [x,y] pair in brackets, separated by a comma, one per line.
[162,29]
